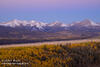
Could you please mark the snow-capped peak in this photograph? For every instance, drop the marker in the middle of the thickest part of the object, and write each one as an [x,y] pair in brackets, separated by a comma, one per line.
[12,23]
[57,23]
[42,25]
[88,22]
[85,22]
[16,23]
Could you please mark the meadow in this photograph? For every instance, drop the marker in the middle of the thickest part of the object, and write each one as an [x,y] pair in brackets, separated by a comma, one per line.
[68,55]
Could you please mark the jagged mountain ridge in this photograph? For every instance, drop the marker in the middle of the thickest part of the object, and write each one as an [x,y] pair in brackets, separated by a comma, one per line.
[17,23]
[56,30]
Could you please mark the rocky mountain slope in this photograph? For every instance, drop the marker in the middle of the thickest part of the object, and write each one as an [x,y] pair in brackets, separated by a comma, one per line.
[17,29]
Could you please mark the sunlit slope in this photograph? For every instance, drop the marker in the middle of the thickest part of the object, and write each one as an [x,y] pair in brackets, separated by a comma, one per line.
[69,55]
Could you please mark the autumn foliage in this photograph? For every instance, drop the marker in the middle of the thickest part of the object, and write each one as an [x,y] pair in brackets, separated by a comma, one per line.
[69,55]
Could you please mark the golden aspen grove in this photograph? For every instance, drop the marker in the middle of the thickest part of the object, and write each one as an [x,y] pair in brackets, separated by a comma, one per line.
[68,55]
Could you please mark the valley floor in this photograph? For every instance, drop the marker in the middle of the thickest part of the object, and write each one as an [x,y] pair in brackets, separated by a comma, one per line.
[51,43]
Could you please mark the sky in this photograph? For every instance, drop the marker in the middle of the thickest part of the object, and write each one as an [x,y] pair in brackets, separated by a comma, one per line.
[65,11]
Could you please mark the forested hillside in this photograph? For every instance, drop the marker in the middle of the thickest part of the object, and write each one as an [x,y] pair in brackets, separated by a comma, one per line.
[69,55]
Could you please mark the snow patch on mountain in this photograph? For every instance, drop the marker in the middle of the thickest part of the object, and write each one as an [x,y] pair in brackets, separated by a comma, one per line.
[42,25]
[57,23]
[16,23]
[88,22]
[85,22]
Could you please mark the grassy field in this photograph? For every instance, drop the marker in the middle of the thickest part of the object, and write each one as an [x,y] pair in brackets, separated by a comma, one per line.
[49,43]
[69,55]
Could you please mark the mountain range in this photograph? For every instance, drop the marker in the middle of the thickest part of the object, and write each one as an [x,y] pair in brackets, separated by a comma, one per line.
[33,30]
